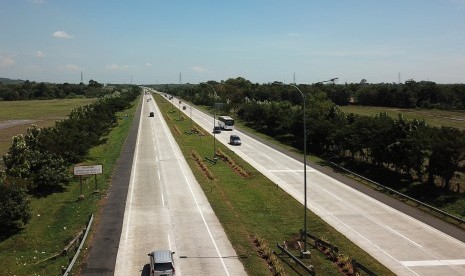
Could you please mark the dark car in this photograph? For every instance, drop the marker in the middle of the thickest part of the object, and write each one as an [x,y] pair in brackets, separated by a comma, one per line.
[234,140]
[151,114]
[216,129]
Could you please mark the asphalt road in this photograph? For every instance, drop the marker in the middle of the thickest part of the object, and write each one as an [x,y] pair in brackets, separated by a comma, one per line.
[407,241]
[155,203]
[101,258]
[167,209]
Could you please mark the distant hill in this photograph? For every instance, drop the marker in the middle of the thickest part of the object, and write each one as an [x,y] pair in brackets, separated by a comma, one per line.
[10,81]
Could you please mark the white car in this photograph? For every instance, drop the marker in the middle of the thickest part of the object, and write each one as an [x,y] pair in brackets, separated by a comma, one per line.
[161,263]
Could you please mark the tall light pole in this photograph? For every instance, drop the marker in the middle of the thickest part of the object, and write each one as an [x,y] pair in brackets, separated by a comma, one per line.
[305,252]
[214,120]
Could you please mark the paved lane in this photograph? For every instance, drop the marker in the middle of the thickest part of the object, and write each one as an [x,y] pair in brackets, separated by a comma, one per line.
[404,244]
[166,209]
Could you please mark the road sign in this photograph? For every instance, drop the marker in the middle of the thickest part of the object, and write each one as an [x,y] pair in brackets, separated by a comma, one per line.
[88,170]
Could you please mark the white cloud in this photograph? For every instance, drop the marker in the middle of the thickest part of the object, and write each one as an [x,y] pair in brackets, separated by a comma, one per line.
[198,69]
[116,67]
[70,68]
[148,64]
[6,61]
[61,34]
[40,54]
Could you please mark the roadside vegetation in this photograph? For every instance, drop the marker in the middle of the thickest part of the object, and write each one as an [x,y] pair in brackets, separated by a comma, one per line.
[48,212]
[421,157]
[255,213]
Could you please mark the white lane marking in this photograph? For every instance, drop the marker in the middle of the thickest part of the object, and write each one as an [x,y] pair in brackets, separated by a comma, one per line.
[433,262]
[333,195]
[132,179]
[397,233]
[162,200]
[127,219]
[286,170]
[169,243]
[184,173]
[365,238]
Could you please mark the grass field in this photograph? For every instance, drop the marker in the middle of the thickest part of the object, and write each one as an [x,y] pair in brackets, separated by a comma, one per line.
[57,218]
[43,113]
[433,117]
[251,207]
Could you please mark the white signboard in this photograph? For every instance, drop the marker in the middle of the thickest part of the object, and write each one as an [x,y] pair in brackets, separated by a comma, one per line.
[88,170]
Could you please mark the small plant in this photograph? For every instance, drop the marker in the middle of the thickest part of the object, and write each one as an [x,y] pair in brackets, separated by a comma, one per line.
[342,260]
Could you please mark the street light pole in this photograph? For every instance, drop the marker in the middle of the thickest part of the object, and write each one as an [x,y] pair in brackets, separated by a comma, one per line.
[214,120]
[305,252]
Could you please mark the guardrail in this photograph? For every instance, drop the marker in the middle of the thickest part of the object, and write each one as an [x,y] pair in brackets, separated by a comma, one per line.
[450,216]
[309,269]
[70,266]
[358,266]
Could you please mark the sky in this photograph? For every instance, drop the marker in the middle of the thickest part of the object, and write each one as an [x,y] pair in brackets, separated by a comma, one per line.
[193,41]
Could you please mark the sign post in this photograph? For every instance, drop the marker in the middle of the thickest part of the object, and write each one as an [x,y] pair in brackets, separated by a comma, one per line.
[88,170]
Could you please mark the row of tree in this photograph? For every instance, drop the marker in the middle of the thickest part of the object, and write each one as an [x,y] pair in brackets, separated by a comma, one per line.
[38,162]
[42,91]
[411,147]
[411,94]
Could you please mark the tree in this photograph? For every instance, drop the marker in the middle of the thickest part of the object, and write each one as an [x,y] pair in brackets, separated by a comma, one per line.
[448,154]
[15,211]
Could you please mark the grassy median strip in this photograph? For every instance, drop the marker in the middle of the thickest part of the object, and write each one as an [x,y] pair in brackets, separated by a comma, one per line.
[58,218]
[251,208]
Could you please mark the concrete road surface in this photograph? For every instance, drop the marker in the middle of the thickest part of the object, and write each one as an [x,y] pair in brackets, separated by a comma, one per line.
[402,243]
[166,209]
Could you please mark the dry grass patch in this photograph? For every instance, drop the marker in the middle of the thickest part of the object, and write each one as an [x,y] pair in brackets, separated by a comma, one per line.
[198,159]
[232,163]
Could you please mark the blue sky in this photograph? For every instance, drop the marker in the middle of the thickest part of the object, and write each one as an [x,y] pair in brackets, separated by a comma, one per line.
[261,40]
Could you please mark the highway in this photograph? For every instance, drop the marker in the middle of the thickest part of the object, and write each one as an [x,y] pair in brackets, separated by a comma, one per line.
[166,209]
[402,243]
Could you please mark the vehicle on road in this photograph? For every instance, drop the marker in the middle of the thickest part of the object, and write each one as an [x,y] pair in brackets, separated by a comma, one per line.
[226,122]
[234,140]
[216,129]
[161,263]
[151,114]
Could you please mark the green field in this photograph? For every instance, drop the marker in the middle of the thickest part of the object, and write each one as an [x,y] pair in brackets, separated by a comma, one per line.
[57,218]
[39,109]
[433,117]
[251,207]
[43,113]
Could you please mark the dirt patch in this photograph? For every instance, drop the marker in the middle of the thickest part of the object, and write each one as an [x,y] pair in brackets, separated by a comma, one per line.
[12,123]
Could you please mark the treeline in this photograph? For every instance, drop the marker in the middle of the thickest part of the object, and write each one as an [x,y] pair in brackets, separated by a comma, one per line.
[38,162]
[411,94]
[47,91]
[413,148]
